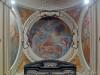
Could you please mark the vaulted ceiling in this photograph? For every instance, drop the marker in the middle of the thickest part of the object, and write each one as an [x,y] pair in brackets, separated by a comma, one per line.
[49,4]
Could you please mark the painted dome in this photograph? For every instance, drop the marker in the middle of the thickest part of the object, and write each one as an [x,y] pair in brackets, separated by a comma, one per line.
[50,38]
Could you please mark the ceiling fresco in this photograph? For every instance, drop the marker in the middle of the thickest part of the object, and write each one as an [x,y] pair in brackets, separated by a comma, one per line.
[75,12]
[24,13]
[51,37]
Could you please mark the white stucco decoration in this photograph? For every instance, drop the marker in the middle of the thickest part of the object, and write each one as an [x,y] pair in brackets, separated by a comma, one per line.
[49,4]
[63,16]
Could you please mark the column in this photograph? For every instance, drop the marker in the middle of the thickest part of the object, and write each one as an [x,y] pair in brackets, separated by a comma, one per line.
[98,37]
[1,37]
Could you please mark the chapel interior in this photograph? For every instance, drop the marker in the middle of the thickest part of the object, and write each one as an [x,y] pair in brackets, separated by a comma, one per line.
[49,37]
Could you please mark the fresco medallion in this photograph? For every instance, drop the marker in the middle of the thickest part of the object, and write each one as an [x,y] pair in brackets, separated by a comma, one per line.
[50,38]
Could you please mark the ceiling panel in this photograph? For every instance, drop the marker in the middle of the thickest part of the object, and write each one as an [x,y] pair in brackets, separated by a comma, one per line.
[49,4]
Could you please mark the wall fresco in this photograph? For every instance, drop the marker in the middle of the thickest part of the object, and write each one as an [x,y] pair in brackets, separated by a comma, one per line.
[86,36]
[50,38]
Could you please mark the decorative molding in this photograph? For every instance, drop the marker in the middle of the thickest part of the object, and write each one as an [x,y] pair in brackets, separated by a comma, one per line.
[92,68]
[34,18]
[19,54]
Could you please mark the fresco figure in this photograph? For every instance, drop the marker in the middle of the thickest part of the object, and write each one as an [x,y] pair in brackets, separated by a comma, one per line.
[50,38]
